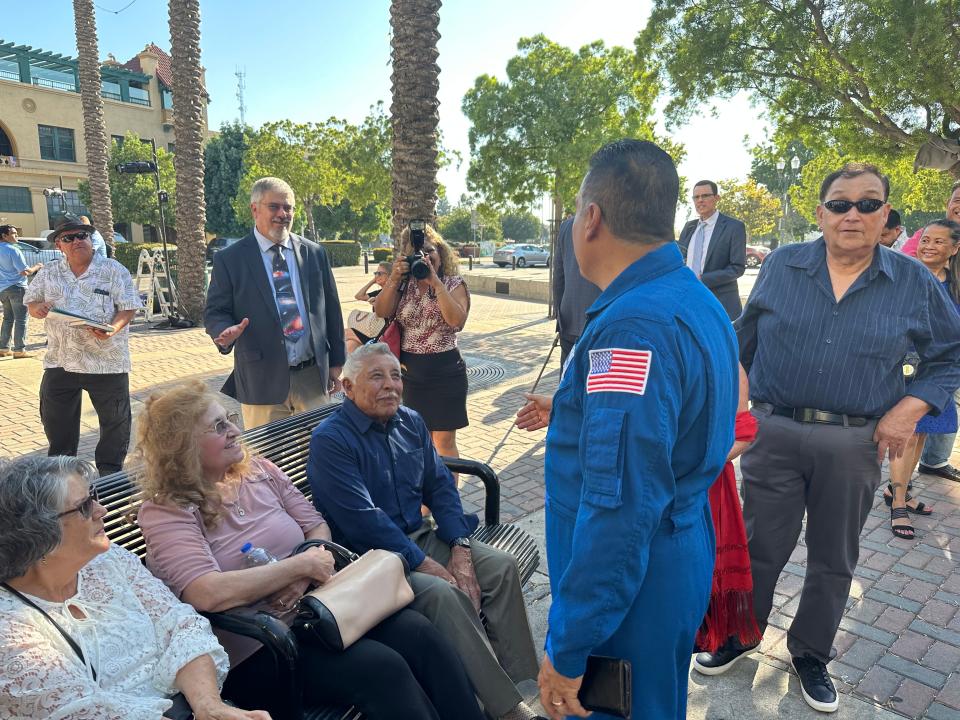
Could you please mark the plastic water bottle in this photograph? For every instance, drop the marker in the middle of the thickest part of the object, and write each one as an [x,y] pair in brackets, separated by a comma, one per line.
[255,556]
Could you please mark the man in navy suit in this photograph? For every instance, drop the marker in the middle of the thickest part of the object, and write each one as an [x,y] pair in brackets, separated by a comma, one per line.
[715,247]
[273,299]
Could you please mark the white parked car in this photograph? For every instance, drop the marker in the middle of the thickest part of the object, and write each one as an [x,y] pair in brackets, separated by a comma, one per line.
[525,254]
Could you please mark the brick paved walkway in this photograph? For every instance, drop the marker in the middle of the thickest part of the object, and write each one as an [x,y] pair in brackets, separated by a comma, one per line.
[899,643]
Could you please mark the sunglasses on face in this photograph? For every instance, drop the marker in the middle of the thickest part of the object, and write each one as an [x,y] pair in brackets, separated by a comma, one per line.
[70,237]
[220,427]
[380,272]
[864,207]
[85,508]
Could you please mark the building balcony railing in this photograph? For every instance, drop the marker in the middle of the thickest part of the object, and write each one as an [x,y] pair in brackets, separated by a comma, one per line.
[8,161]
[54,84]
[140,101]
[111,95]
[9,75]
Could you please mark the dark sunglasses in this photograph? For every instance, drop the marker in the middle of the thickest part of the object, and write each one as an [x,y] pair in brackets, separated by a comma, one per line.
[85,508]
[69,238]
[864,207]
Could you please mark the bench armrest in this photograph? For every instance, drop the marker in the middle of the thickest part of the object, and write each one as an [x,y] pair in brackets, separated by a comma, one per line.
[491,484]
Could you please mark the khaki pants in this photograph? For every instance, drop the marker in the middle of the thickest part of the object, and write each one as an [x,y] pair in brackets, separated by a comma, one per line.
[504,654]
[306,393]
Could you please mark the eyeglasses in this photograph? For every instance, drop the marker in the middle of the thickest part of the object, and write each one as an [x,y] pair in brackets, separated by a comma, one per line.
[864,207]
[704,196]
[380,272]
[431,251]
[74,236]
[277,207]
[85,508]
[220,426]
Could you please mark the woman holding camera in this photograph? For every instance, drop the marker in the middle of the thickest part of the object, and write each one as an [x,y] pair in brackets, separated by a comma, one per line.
[430,310]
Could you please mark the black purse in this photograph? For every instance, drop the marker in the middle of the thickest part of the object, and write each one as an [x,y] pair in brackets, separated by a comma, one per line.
[607,686]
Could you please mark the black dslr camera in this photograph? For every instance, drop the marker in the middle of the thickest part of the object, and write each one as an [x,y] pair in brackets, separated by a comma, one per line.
[419,265]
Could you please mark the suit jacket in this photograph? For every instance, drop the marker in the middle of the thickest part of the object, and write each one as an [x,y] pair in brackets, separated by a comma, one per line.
[725,261]
[239,288]
[572,292]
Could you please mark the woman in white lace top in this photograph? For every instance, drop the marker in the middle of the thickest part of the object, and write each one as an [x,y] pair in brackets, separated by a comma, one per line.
[86,633]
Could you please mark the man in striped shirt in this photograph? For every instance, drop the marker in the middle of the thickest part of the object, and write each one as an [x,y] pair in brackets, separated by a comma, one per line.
[822,337]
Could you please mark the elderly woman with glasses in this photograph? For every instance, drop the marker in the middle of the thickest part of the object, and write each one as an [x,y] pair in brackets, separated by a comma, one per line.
[71,603]
[205,498]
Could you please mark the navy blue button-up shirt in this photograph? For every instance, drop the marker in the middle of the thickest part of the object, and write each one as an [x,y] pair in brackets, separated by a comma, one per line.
[369,480]
[802,348]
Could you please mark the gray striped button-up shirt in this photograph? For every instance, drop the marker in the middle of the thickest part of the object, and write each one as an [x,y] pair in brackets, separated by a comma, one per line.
[802,348]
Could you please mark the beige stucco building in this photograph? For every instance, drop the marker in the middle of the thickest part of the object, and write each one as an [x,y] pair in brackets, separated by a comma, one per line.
[41,127]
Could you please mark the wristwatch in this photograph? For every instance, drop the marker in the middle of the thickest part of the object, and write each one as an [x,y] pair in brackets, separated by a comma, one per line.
[463,542]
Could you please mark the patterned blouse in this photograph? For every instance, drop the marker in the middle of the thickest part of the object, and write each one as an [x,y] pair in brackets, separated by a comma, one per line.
[424,329]
[99,293]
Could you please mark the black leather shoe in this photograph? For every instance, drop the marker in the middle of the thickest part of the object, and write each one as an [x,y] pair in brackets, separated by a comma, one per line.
[723,659]
[947,471]
[815,684]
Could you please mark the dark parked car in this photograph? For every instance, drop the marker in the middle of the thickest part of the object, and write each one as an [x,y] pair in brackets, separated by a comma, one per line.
[756,254]
[218,244]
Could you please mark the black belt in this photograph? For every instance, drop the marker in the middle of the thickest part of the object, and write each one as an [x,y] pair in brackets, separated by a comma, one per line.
[812,415]
[305,364]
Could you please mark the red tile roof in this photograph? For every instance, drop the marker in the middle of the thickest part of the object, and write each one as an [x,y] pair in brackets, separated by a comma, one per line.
[164,71]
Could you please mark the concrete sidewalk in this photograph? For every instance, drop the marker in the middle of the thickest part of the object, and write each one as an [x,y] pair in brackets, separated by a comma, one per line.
[899,642]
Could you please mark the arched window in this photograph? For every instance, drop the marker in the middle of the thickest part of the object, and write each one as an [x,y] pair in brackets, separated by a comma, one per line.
[6,147]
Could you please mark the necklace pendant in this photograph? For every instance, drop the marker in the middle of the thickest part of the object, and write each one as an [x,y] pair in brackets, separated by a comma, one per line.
[240,511]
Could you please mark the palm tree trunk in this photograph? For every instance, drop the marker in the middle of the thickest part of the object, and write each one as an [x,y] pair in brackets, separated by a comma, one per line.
[188,99]
[414,110]
[94,129]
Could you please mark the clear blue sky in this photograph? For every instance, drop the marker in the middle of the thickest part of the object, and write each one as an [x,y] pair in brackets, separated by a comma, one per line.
[309,59]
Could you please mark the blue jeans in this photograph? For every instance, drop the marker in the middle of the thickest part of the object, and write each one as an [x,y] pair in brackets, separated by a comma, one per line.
[938,448]
[14,317]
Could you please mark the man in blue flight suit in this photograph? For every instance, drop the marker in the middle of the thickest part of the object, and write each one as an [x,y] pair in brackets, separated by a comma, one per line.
[640,428]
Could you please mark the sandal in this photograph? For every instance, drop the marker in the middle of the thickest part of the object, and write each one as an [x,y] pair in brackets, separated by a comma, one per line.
[920,509]
[903,532]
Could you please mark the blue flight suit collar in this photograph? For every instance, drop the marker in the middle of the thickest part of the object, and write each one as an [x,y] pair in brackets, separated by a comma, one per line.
[363,422]
[654,264]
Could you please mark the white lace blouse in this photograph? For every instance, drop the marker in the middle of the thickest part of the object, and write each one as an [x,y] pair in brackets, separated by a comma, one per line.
[136,635]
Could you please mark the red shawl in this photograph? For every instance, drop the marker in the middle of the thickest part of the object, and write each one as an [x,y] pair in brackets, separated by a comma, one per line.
[730,612]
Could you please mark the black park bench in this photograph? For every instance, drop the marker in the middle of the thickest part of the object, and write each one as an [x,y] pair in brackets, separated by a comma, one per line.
[286,443]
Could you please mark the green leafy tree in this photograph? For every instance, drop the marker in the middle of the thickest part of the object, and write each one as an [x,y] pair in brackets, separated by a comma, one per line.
[455,225]
[305,155]
[534,132]
[877,75]
[223,172]
[521,225]
[134,197]
[752,204]
[344,221]
[923,192]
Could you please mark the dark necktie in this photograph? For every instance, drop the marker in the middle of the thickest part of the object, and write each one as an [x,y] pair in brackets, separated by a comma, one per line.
[290,319]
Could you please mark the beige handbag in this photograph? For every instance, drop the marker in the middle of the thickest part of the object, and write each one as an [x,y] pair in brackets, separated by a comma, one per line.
[358,597]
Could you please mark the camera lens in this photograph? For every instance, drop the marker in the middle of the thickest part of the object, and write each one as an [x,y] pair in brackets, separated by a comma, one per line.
[419,269]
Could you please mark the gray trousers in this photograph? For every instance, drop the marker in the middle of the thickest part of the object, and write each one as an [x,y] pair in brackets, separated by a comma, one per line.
[832,473]
[499,657]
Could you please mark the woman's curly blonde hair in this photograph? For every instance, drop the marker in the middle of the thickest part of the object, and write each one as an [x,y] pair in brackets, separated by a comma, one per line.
[168,435]
[449,261]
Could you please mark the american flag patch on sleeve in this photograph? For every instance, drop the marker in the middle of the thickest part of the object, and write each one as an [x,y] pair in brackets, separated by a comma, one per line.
[618,370]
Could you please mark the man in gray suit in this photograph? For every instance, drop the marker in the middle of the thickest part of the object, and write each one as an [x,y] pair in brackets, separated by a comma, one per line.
[273,297]
[715,247]
[572,292]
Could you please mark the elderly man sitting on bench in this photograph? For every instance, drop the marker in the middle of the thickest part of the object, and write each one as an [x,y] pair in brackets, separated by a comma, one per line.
[371,466]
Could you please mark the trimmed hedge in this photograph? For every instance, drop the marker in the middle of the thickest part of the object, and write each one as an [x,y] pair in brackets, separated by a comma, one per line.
[382,255]
[342,253]
[127,254]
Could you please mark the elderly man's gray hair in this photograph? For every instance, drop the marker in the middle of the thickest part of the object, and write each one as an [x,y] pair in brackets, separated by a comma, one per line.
[270,184]
[33,491]
[356,359]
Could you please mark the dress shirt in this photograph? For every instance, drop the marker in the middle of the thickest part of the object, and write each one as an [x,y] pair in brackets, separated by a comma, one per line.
[709,224]
[300,350]
[12,263]
[99,244]
[802,348]
[103,290]
[369,481]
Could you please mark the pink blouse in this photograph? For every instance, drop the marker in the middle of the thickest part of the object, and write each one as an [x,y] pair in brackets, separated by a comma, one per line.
[424,329]
[269,512]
